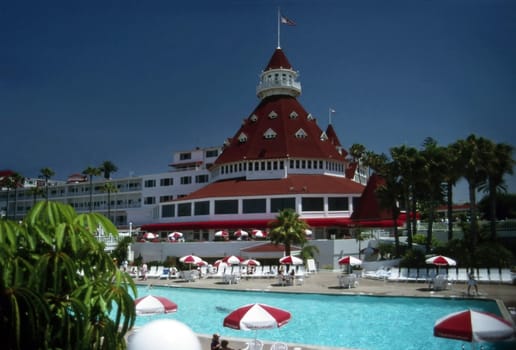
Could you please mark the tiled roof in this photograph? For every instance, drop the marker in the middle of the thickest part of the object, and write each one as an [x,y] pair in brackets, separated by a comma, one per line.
[278,60]
[286,117]
[293,184]
[369,211]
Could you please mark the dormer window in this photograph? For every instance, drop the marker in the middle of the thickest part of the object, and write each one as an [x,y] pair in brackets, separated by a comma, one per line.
[301,134]
[273,115]
[269,134]
[293,115]
[324,137]
[242,138]
[310,116]
[254,118]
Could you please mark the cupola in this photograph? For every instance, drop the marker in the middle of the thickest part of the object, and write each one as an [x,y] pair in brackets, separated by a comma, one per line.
[278,78]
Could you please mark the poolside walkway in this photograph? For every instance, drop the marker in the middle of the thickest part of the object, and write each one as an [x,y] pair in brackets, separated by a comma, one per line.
[327,282]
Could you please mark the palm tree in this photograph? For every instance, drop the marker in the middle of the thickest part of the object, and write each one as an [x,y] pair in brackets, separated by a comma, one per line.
[498,162]
[36,191]
[288,229]
[109,188]
[452,174]
[46,304]
[471,158]
[12,182]
[357,151]
[431,189]
[91,171]
[404,163]
[107,168]
[46,173]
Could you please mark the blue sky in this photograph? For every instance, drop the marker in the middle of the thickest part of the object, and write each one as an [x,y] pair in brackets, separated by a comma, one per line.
[134,81]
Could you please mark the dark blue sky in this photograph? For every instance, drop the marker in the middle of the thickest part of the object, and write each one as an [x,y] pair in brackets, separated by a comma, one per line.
[133,81]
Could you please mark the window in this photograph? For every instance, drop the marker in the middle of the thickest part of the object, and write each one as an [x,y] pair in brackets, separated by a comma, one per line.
[165,199]
[254,118]
[149,200]
[202,208]
[301,134]
[149,183]
[254,206]
[312,203]
[293,115]
[200,179]
[185,156]
[273,115]
[356,202]
[212,153]
[186,180]
[269,134]
[166,182]
[338,203]
[242,138]
[168,211]
[226,206]
[278,204]
[184,209]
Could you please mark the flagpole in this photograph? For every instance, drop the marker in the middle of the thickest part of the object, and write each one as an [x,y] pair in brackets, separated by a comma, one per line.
[279,22]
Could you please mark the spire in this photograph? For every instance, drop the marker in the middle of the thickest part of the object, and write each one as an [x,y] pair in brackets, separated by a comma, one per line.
[278,78]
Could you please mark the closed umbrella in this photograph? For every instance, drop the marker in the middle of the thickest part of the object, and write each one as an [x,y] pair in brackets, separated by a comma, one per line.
[151,305]
[473,326]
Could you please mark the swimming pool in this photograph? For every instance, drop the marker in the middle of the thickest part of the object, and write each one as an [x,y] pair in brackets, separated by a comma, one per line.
[351,321]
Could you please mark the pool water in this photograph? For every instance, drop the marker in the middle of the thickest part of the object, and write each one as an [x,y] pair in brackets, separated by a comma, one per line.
[360,322]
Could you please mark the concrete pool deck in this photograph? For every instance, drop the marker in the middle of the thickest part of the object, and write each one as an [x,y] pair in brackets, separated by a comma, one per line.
[326,282]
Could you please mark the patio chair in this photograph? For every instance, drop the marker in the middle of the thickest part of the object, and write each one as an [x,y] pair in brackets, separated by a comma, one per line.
[254,344]
[165,274]
[279,346]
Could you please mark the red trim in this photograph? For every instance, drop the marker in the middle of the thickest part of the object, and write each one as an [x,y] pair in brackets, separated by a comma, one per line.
[238,224]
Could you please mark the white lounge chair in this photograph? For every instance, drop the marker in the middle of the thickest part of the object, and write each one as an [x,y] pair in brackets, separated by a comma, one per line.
[254,344]
[494,275]
[279,346]
[165,274]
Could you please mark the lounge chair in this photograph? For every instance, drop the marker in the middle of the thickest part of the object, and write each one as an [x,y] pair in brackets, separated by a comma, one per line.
[279,346]
[506,275]
[165,274]
[254,344]
[494,275]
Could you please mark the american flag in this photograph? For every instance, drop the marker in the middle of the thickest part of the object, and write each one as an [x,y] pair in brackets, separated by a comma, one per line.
[289,22]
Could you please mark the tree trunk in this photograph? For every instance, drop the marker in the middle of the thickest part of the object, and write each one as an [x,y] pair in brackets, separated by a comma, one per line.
[492,208]
[450,210]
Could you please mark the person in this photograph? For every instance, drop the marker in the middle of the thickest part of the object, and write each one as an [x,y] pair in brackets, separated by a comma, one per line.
[144,271]
[225,345]
[472,282]
[215,342]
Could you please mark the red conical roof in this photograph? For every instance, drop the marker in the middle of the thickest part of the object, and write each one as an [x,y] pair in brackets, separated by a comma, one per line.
[278,60]
[287,119]
[369,212]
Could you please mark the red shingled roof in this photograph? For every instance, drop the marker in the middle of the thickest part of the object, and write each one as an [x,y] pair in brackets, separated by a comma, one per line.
[285,144]
[369,212]
[278,60]
[293,184]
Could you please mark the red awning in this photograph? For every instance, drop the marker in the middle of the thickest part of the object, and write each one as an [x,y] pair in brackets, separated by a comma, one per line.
[238,224]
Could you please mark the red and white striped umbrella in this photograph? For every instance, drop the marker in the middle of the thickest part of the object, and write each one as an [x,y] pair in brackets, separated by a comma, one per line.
[241,233]
[349,260]
[251,262]
[151,305]
[190,259]
[472,326]
[441,260]
[256,316]
[291,260]
[150,235]
[222,233]
[258,234]
[175,235]
[232,260]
